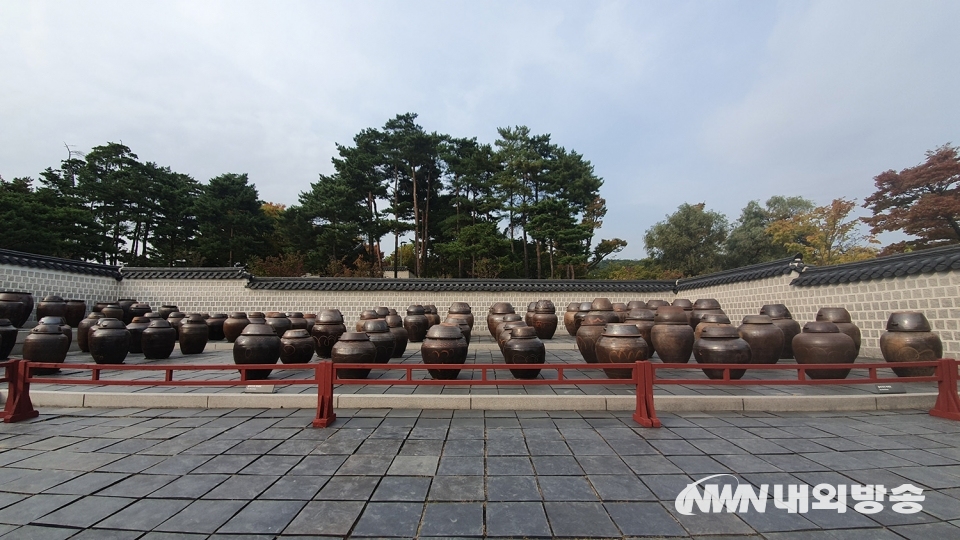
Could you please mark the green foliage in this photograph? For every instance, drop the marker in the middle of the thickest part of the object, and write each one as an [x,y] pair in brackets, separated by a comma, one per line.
[750,242]
[231,222]
[689,241]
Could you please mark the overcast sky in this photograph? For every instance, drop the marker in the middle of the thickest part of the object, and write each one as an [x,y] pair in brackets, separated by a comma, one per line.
[716,102]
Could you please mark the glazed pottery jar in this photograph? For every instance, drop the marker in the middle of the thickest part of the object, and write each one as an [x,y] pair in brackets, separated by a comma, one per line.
[462,323]
[415,323]
[524,347]
[98,306]
[642,318]
[568,324]
[687,307]
[8,338]
[840,317]
[257,344]
[824,343]
[721,345]
[311,319]
[591,328]
[701,307]
[152,315]
[76,310]
[764,337]
[139,309]
[125,304]
[193,335]
[296,347]
[652,305]
[507,319]
[109,341]
[497,311]
[909,339]
[113,311]
[326,331]
[506,332]
[444,344]
[279,322]
[18,314]
[365,315]
[136,328]
[84,329]
[545,319]
[45,343]
[784,321]
[353,348]
[636,304]
[579,315]
[462,308]
[215,324]
[621,344]
[166,310]
[710,319]
[234,324]
[621,310]
[528,316]
[382,311]
[51,306]
[379,334]
[395,324]
[12,310]
[61,323]
[297,321]
[158,339]
[430,312]
[671,335]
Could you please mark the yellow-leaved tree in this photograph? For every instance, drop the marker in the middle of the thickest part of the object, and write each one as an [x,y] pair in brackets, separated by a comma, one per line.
[824,235]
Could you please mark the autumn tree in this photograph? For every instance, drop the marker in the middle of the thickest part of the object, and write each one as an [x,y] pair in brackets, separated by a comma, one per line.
[750,241]
[825,235]
[922,201]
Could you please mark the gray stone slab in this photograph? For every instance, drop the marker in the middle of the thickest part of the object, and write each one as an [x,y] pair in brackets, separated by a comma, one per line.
[556,466]
[85,512]
[402,488]
[39,532]
[87,484]
[144,515]
[566,488]
[131,464]
[643,519]
[580,519]
[202,517]
[509,466]
[32,482]
[452,519]
[603,465]
[318,465]
[177,465]
[263,517]
[348,488]
[271,465]
[389,519]
[138,485]
[325,518]
[33,508]
[517,519]
[226,464]
[626,487]
[460,465]
[189,487]
[244,487]
[456,488]
[413,466]
[512,488]
[368,464]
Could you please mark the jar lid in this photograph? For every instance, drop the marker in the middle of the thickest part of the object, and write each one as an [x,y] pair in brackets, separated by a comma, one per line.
[48,329]
[532,306]
[295,315]
[687,305]
[238,315]
[151,315]
[459,307]
[53,319]
[194,318]
[430,308]
[329,316]
[159,323]
[140,320]
[757,319]
[636,304]
[175,315]
[719,332]
[375,326]
[654,304]
[141,305]
[670,315]
[5,322]
[255,315]
[523,332]
[640,314]
[502,307]
[601,318]
[601,304]
[446,331]
[620,307]
[719,318]
[298,333]
[833,314]
[353,336]
[217,316]
[52,298]
[415,309]
[275,315]
[573,306]
[621,330]
[706,303]
[95,315]
[776,311]
[257,329]
[908,321]
[820,327]
[111,324]
[394,321]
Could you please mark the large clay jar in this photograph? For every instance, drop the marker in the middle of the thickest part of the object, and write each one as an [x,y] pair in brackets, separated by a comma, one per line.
[432,315]
[701,307]
[45,343]
[621,310]
[139,309]
[296,346]
[234,324]
[166,310]
[136,328]
[326,331]
[395,323]
[642,318]
[462,308]
[76,310]
[545,319]
[497,311]
[506,331]
[52,306]
[98,306]
[591,328]
[257,344]
[444,344]
[462,323]
[382,311]
[415,323]
[687,307]
[710,319]
[353,348]
[568,315]
[672,336]
[366,315]
[382,339]
[61,323]
[279,322]
[125,304]
[841,317]
[579,315]
[311,319]
[764,337]
[621,344]
[909,339]
[158,339]
[508,318]
[215,324]
[84,329]
[110,341]
[524,347]
[784,321]
[636,304]
[824,343]
[18,314]
[528,316]
[194,334]
[8,338]
[112,311]
[297,321]
[721,345]
[652,305]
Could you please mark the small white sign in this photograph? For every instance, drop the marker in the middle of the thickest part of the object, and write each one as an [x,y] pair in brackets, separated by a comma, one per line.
[259,389]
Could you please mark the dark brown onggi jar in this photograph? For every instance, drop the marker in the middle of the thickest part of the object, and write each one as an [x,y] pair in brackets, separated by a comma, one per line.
[652,305]
[17,306]
[506,332]
[568,315]
[125,304]
[166,309]
[642,318]
[215,326]
[497,311]
[326,331]
[462,308]
[257,344]
[51,306]
[136,328]
[400,336]
[524,347]
[444,344]
[841,317]
[621,344]
[234,324]
[579,315]
[8,338]
[158,339]
[545,319]
[621,310]
[721,345]
[462,323]
[365,315]
[710,319]
[113,311]
[139,309]
[297,321]
[909,339]
[109,341]
[296,346]
[175,319]
[824,343]
[784,321]
[62,324]
[432,315]
[84,329]
[76,310]
[415,323]
[194,334]
[672,336]
[591,328]
[379,334]
[45,343]
[279,322]
[353,348]
[507,319]
[687,307]
[701,307]
[636,304]
[528,316]
[765,339]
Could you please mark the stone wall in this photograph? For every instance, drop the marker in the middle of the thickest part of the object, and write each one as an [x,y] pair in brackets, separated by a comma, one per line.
[69,285]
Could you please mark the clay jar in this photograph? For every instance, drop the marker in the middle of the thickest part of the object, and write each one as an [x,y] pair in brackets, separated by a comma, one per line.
[721,345]
[215,326]
[528,316]
[139,310]
[444,344]
[166,310]
[621,310]
[395,324]
[701,307]
[136,328]
[84,329]
[326,331]
[636,304]
[505,331]
[765,339]
[17,306]
[366,315]
[671,334]
[591,328]
[642,318]
[824,343]
[297,321]
[568,324]
[652,305]
[545,319]
[462,308]
[621,344]
[98,306]
[109,341]
[8,338]
[257,344]
[176,319]
[784,321]
[462,323]
[125,304]
[908,339]
[687,307]
[234,324]
[524,347]
[710,319]
[296,346]
[45,343]
[279,322]
[415,323]
[52,306]
[379,334]
[579,315]
[76,309]
[158,339]
[840,317]
[61,323]
[497,311]
[194,334]
[311,319]
[353,348]
[430,312]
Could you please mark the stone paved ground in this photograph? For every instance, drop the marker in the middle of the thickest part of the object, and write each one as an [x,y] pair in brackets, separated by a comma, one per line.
[152,474]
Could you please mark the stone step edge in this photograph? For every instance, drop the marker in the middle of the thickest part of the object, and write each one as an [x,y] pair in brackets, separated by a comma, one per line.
[146,400]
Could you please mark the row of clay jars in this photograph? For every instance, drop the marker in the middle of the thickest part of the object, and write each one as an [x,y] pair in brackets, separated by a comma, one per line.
[72,311]
[16,306]
[444,344]
[591,327]
[909,339]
